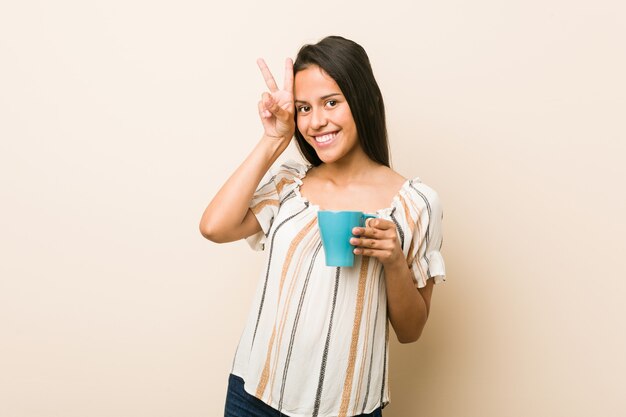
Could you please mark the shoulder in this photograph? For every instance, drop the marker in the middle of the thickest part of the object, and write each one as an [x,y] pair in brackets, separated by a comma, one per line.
[423,197]
[288,174]
[291,168]
[385,178]
[417,188]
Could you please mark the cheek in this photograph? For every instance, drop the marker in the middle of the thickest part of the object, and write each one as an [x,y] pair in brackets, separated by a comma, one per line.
[301,124]
[347,120]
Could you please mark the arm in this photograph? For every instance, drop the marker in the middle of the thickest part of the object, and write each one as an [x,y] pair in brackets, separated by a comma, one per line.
[228,217]
[408,308]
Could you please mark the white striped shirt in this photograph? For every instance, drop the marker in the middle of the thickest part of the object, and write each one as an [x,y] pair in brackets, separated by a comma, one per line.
[316,339]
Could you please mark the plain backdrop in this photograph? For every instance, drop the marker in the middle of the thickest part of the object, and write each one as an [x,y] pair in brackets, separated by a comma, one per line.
[119,120]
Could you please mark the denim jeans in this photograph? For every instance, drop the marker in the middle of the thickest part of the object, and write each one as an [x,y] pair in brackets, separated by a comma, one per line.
[241,404]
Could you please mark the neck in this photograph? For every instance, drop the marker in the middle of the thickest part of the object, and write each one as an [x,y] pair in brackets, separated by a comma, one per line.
[349,169]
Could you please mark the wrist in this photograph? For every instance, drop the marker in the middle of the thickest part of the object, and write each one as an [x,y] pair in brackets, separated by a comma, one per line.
[276,141]
[396,263]
[272,146]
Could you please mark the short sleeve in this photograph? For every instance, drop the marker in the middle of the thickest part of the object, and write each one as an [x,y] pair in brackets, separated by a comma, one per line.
[425,258]
[266,199]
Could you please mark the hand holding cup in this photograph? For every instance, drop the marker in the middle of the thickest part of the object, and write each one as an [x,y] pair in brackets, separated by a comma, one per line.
[379,238]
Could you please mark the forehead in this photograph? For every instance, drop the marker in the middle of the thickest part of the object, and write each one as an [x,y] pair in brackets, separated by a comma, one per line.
[312,83]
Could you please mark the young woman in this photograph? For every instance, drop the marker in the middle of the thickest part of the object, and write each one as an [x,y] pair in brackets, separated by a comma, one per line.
[316,339]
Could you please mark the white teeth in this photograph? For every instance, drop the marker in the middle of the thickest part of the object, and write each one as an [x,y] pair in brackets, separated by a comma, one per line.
[325,138]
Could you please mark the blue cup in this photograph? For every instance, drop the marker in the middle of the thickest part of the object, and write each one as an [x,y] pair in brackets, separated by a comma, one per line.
[336,231]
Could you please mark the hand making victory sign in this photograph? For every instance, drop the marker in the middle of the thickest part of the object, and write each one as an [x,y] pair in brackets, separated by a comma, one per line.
[276,108]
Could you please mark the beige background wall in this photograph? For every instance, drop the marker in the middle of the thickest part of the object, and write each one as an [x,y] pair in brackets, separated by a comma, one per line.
[120,119]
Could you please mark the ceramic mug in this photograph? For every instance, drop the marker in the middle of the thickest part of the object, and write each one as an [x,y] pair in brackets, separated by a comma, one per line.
[336,231]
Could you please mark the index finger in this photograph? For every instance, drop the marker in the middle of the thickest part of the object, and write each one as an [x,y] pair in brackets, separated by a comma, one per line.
[267,75]
[288,75]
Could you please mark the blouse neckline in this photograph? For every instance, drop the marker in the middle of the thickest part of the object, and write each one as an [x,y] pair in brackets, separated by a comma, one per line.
[385,211]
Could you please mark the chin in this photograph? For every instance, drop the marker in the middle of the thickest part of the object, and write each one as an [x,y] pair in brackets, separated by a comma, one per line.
[328,159]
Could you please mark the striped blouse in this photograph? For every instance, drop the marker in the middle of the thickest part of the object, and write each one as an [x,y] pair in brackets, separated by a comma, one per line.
[316,338]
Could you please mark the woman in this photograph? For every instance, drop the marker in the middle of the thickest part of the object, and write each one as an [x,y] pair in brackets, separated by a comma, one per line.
[316,339]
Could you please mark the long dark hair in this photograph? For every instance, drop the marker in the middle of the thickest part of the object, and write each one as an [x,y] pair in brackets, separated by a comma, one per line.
[347,63]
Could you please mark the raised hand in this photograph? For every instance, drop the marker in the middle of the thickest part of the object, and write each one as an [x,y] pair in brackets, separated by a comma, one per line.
[276,107]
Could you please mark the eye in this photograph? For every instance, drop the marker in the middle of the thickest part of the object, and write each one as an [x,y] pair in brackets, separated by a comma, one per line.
[331,103]
[303,109]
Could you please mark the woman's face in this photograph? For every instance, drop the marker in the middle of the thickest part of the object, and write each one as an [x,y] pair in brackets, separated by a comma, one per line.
[323,115]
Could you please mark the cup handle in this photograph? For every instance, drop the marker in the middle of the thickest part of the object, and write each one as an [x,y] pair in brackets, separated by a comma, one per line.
[366,216]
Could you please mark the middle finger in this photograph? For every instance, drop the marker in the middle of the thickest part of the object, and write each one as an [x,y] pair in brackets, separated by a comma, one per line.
[364,243]
[288,75]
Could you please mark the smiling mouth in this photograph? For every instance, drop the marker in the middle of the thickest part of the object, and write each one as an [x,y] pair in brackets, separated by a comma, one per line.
[325,138]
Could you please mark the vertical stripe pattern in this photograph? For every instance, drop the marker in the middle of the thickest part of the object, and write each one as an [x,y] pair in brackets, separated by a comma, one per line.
[356,327]
[320,383]
[316,339]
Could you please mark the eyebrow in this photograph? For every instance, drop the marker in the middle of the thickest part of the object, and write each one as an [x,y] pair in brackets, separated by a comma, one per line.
[321,98]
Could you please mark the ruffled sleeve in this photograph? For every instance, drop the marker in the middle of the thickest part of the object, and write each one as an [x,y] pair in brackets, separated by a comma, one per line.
[267,198]
[424,255]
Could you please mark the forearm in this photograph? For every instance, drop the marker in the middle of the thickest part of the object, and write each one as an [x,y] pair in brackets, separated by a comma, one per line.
[405,305]
[230,205]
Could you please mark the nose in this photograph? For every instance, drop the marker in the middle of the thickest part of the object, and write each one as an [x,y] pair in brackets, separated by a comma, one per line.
[318,119]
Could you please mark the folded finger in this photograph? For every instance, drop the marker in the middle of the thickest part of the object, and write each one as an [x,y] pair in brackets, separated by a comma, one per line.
[263,112]
[272,106]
